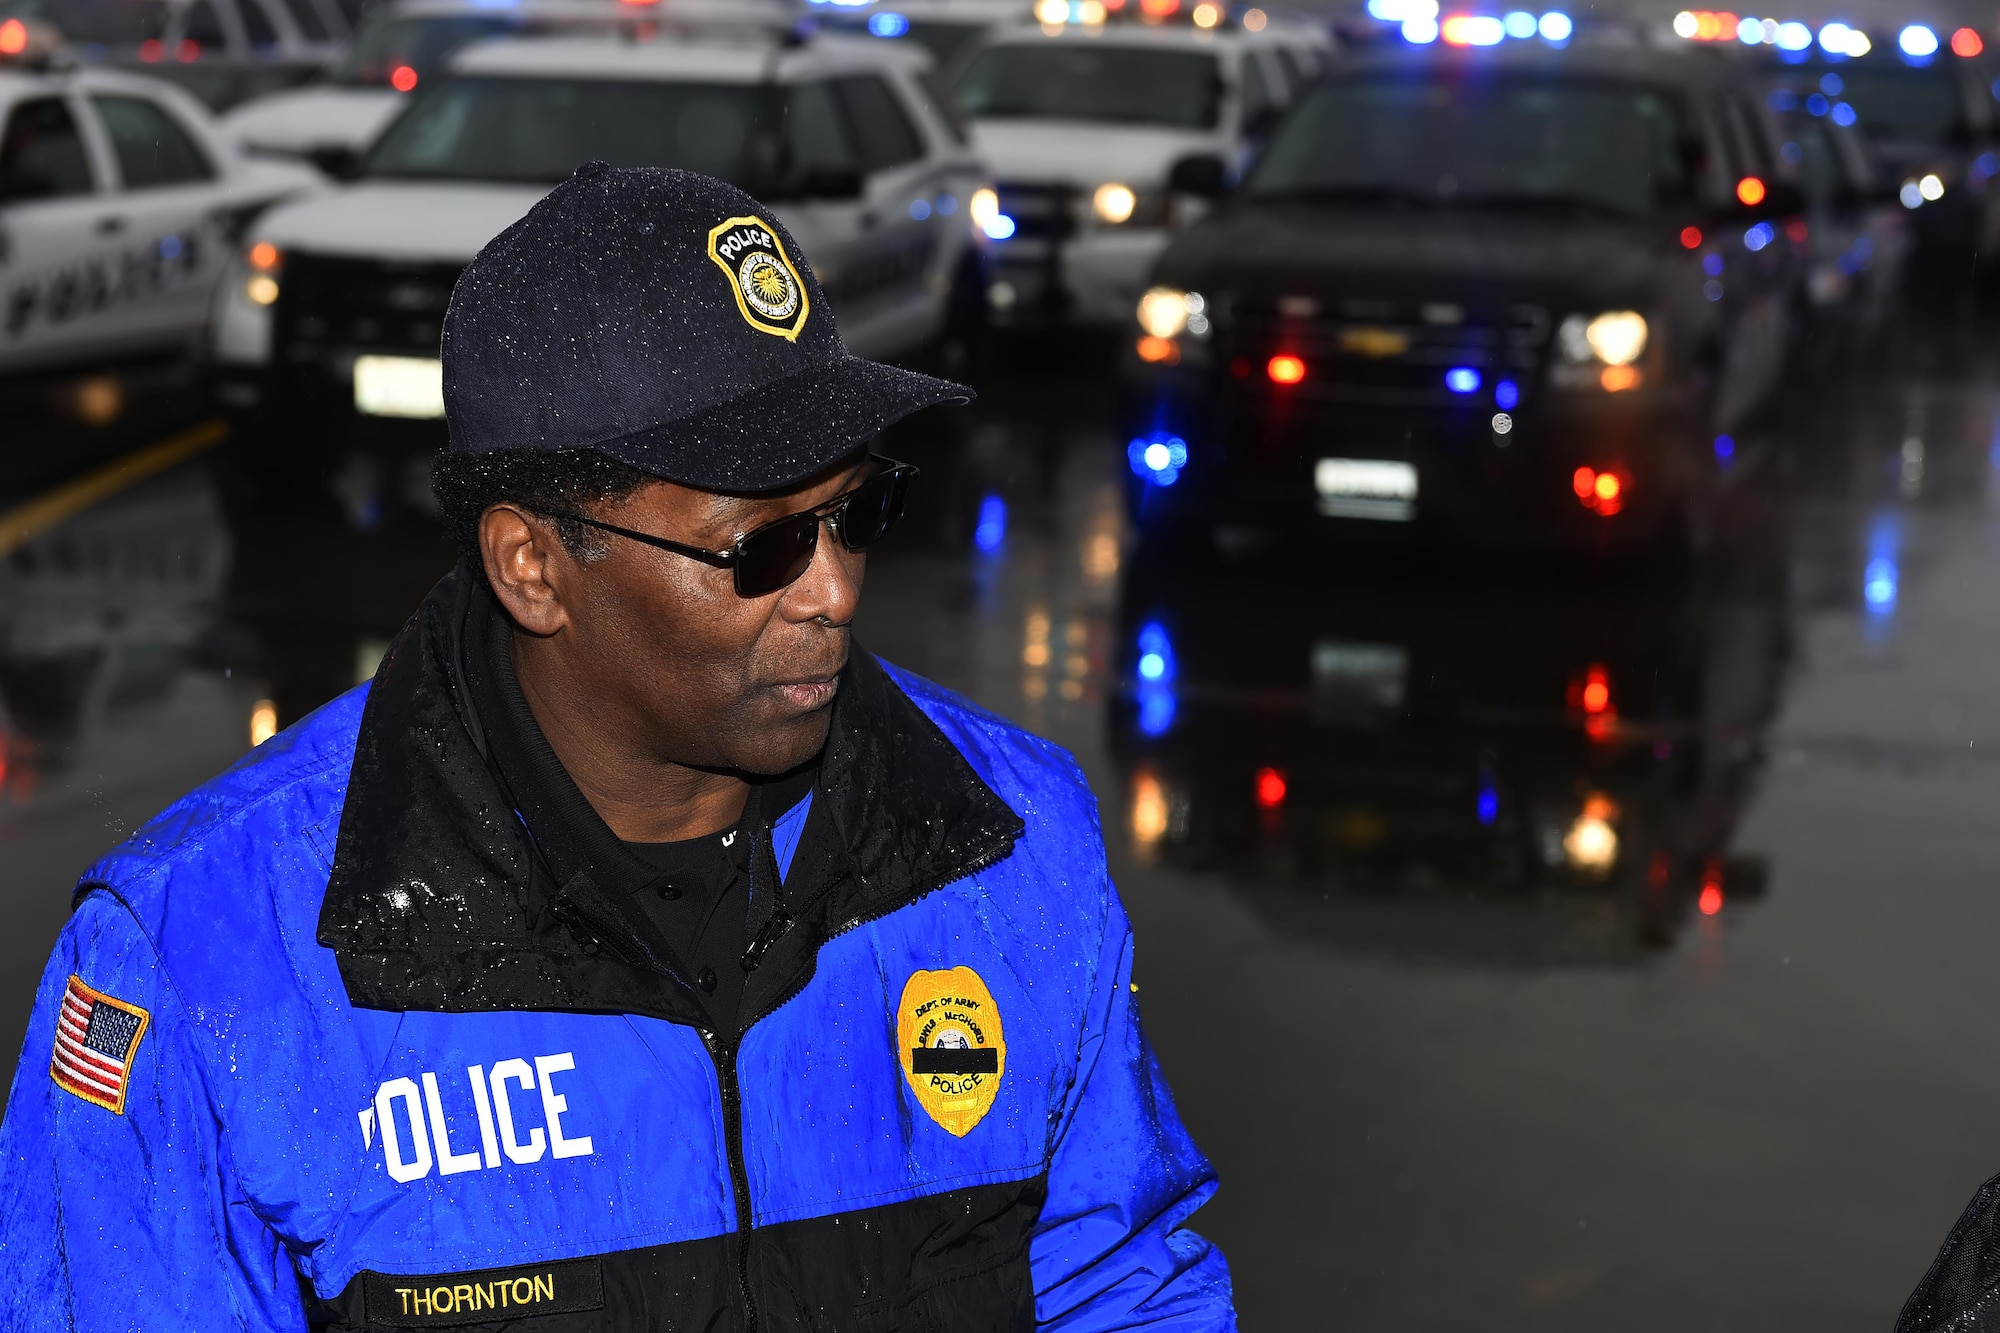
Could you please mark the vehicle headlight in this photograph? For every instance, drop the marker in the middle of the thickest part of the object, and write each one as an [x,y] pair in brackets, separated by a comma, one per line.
[983,207]
[1615,338]
[1165,312]
[1114,202]
[1591,842]
[265,261]
[984,210]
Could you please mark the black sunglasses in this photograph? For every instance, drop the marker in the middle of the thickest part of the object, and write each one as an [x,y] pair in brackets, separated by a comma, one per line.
[773,555]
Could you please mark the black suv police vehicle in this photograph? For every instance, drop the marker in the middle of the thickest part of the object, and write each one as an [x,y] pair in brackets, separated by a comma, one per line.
[1517,293]
[1932,123]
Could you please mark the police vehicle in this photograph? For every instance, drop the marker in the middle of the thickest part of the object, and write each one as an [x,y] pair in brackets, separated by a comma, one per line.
[335,305]
[1858,233]
[332,121]
[1928,108]
[1096,130]
[119,207]
[1528,294]
[222,51]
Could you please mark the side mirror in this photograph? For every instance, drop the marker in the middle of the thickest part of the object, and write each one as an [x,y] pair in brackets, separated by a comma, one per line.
[1201,174]
[1261,122]
[831,183]
[340,163]
[1781,199]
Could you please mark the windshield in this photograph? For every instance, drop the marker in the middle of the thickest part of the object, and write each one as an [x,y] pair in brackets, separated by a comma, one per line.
[1900,102]
[540,130]
[1070,81]
[945,39]
[1506,142]
[418,44]
[111,22]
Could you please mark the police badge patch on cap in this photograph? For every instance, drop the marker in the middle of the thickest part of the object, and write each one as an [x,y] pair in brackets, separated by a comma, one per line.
[768,289]
[952,1048]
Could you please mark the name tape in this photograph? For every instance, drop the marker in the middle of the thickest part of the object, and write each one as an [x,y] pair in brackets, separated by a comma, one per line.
[442,1300]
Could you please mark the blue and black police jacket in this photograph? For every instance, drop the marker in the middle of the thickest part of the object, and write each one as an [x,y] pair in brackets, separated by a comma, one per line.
[326,1045]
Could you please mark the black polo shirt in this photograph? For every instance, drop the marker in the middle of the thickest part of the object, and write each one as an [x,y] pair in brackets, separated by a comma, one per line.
[697,891]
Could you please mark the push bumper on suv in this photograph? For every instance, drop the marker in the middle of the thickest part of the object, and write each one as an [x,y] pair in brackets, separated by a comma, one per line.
[337,310]
[333,311]
[1059,265]
[1433,418]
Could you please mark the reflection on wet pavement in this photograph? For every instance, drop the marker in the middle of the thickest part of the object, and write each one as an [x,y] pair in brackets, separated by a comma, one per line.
[1510,777]
[100,620]
[1532,946]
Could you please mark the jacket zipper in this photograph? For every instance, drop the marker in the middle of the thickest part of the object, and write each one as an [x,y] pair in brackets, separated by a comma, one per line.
[739,1177]
[724,1057]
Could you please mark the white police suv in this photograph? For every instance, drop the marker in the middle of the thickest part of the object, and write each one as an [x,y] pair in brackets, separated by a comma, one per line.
[119,207]
[1102,133]
[334,306]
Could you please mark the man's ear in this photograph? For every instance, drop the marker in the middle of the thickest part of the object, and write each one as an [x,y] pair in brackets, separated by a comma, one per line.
[525,565]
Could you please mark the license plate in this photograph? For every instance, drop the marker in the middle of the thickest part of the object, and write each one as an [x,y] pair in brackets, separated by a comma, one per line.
[1377,488]
[1359,677]
[399,386]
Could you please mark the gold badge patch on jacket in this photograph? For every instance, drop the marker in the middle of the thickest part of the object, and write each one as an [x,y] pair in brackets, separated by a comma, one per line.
[768,289]
[953,1050]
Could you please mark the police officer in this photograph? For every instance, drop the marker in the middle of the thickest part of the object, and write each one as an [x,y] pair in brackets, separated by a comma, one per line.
[634,953]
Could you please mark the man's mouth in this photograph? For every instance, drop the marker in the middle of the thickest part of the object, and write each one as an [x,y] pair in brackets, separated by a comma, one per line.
[808,695]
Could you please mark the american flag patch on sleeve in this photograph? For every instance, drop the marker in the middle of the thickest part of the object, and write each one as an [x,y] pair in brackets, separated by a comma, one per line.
[96,1039]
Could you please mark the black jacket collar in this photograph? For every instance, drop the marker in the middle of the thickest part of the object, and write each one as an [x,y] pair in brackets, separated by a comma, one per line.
[440,900]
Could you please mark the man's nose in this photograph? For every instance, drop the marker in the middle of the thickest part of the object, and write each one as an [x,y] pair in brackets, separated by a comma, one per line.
[830,589]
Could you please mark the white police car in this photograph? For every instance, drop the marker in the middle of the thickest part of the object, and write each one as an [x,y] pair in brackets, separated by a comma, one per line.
[335,305]
[119,207]
[1102,134]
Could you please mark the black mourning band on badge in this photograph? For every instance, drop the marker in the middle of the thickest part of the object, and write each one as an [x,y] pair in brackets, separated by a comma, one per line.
[441,1300]
[954,1060]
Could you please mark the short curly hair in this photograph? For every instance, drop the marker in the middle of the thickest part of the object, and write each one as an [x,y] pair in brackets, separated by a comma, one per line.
[578,480]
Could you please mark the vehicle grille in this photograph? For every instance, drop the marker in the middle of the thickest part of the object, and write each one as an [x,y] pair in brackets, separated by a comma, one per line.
[1040,212]
[1388,353]
[328,305]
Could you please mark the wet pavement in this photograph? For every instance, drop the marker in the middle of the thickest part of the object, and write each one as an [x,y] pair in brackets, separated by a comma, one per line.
[1555,946]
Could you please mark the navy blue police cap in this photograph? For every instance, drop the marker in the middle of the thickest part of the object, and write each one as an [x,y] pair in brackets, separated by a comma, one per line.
[668,320]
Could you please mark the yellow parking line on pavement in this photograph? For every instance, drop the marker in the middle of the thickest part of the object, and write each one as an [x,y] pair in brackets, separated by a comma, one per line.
[25,522]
